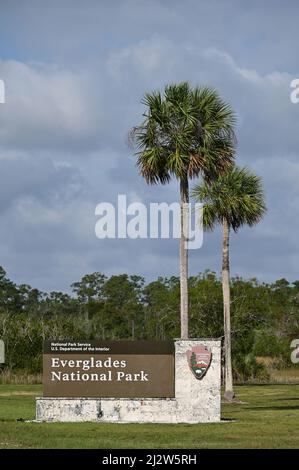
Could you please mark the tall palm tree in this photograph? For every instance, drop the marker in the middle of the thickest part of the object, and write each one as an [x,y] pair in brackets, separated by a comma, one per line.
[185,132]
[234,199]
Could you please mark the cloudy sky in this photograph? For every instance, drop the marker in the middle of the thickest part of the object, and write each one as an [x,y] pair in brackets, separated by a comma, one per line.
[75,73]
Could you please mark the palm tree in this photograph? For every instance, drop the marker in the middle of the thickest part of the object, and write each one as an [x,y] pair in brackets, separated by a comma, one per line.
[185,132]
[234,199]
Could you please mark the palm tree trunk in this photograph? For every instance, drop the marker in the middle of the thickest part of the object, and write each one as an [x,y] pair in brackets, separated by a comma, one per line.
[184,190]
[228,376]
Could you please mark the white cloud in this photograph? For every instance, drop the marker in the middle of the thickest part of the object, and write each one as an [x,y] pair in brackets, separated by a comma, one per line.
[73,91]
[46,107]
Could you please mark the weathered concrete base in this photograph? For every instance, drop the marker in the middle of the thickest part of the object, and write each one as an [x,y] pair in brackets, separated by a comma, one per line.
[196,401]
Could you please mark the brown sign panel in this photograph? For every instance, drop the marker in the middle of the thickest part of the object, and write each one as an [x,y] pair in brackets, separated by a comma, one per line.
[108,369]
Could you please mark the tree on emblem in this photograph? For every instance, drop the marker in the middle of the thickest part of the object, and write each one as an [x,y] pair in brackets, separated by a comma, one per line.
[193,360]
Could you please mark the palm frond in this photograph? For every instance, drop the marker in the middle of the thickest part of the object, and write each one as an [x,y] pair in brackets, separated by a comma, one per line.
[188,131]
[236,195]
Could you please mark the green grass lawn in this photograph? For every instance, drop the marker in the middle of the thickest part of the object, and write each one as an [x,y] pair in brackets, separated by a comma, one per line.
[268,419]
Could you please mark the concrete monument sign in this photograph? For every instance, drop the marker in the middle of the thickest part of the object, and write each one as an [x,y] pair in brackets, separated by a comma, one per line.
[196,380]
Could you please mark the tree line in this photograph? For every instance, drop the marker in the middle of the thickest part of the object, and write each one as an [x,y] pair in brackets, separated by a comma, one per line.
[265,316]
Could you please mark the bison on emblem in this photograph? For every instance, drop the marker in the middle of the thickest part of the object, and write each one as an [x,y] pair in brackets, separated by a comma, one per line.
[199,360]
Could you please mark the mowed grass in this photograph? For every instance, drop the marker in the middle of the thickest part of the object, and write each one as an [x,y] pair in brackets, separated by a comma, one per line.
[268,418]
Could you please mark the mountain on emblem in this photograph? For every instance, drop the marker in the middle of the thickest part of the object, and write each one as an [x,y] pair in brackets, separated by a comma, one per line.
[199,360]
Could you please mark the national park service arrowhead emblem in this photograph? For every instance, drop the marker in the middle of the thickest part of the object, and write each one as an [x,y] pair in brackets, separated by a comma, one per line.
[199,360]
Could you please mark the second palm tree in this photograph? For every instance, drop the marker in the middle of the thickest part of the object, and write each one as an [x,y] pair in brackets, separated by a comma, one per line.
[233,199]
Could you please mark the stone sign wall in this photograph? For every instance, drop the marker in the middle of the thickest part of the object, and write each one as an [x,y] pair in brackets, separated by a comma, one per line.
[196,399]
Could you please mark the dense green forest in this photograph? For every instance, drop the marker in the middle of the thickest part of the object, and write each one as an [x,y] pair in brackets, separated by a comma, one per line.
[265,317]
